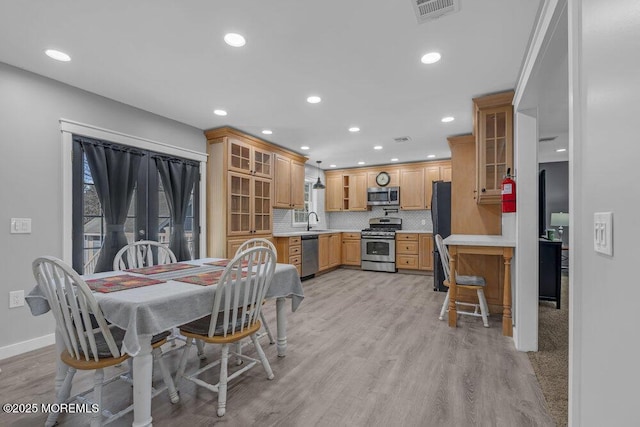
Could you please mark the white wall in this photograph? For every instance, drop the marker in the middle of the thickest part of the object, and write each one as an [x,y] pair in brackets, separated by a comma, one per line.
[604,176]
[30,172]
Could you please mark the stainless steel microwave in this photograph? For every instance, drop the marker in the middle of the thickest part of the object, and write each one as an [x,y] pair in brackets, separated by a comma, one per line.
[383,196]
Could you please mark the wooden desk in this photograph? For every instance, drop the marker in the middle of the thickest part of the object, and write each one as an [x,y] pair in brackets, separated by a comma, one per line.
[481,245]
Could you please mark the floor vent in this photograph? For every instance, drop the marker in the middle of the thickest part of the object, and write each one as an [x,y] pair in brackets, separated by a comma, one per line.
[427,10]
[402,139]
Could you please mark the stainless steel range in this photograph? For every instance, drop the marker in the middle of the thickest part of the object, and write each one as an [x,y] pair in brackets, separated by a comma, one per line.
[379,244]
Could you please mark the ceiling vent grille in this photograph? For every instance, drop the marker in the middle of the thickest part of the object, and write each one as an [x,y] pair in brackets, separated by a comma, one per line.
[427,10]
[402,139]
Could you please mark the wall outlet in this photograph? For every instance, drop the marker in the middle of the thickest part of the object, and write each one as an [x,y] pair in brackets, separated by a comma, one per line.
[16,299]
[424,222]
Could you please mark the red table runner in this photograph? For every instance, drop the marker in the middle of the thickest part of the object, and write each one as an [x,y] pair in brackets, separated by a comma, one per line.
[120,283]
[162,268]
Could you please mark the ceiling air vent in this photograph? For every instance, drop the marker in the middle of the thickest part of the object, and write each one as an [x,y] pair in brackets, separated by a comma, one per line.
[402,139]
[427,10]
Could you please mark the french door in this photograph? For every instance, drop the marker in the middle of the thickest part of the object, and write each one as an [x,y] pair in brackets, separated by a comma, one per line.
[148,216]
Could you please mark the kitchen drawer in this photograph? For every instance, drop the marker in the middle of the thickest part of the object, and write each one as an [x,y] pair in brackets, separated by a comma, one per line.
[410,248]
[296,240]
[402,237]
[295,259]
[409,262]
[350,236]
[295,250]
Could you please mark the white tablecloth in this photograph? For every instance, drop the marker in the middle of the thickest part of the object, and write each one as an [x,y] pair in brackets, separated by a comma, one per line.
[149,310]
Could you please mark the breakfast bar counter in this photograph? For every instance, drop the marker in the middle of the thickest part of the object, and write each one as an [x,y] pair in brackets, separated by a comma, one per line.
[482,245]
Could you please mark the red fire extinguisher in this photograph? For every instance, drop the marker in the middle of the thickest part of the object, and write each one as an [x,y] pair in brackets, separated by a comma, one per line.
[508,188]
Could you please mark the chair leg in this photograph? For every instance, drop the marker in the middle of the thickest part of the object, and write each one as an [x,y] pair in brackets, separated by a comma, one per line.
[166,376]
[238,351]
[445,306]
[263,358]
[200,347]
[96,417]
[484,307]
[63,395]
[183,361]
[266,328]
[222,385]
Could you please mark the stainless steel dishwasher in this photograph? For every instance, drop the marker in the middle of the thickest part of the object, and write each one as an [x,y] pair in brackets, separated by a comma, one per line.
[309,255]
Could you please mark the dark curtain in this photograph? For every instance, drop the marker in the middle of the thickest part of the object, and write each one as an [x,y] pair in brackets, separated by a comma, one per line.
[115,171]
[178,178]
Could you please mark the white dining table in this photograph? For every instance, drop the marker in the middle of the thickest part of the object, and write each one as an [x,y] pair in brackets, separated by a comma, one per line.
[149,310]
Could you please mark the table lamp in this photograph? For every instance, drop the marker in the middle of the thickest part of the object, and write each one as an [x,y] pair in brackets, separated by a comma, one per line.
[560,220]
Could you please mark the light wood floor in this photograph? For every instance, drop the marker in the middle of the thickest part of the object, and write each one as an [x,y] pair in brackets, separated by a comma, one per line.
[365,349]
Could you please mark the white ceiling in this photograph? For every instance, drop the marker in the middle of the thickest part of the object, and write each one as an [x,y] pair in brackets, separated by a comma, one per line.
[362,58]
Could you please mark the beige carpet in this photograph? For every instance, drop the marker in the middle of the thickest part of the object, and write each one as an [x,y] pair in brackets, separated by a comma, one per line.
[550,363]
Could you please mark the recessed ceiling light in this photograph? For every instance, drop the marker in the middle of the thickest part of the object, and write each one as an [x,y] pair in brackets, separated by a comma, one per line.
[447,119]
[394,159]
[304,147]
[560,150]
[431,156]
[314,99]
[332,166]
[234,39]
[354,129]
[267,132]
[378,147]
[361,163]
[431,58]
[57,55]
[219,112]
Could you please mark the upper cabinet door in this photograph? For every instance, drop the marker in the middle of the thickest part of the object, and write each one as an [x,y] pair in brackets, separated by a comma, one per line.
[333,193]
[358,192]
[245,158]
[412,189]
[283,183]
[297,184]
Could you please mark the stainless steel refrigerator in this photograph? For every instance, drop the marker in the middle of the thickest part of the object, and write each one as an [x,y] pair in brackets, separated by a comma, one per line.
[441,219]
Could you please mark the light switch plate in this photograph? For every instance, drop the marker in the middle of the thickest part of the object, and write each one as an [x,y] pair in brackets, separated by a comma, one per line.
[603,232]
[20,225]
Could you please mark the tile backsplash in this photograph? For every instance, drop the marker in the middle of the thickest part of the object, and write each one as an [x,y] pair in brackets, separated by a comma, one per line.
[411,220]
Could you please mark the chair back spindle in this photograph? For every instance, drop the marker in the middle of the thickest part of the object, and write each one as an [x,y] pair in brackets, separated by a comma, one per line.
[143,253]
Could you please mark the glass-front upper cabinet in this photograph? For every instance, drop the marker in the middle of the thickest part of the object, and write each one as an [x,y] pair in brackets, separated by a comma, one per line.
[245,158]
[494,144]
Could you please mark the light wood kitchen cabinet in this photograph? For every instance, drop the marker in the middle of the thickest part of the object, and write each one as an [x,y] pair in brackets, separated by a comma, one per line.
[290,251]
[234,243]
[357,191]
[329,251]
[239,188]
[394,177]
[335,249]
[412,189]
[493,123]
[407,251]
[351,248]
[289,183]
[346,192]
[246,158]
[431,174]
[425,252]
[333,193]
[249,205]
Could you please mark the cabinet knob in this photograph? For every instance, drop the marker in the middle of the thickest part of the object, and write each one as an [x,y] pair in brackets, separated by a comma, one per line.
[484,190]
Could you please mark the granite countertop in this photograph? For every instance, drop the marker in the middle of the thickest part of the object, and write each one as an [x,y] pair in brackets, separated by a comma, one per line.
[423,231]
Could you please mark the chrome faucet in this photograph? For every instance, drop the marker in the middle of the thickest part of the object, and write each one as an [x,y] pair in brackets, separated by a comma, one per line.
[308,216]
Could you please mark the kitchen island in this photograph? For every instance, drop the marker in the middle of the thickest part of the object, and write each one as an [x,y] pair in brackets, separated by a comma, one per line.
[481,245]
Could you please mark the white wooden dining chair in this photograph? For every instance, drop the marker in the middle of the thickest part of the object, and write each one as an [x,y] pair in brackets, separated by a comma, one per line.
[235,315]
[90,342]
[147,253]
[476,283]
[143,253]
[252,243]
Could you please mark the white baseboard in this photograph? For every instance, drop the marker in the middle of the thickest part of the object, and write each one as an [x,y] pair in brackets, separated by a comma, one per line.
[25,346]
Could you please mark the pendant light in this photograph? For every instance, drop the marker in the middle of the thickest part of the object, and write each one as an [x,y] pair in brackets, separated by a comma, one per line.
[318,185]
